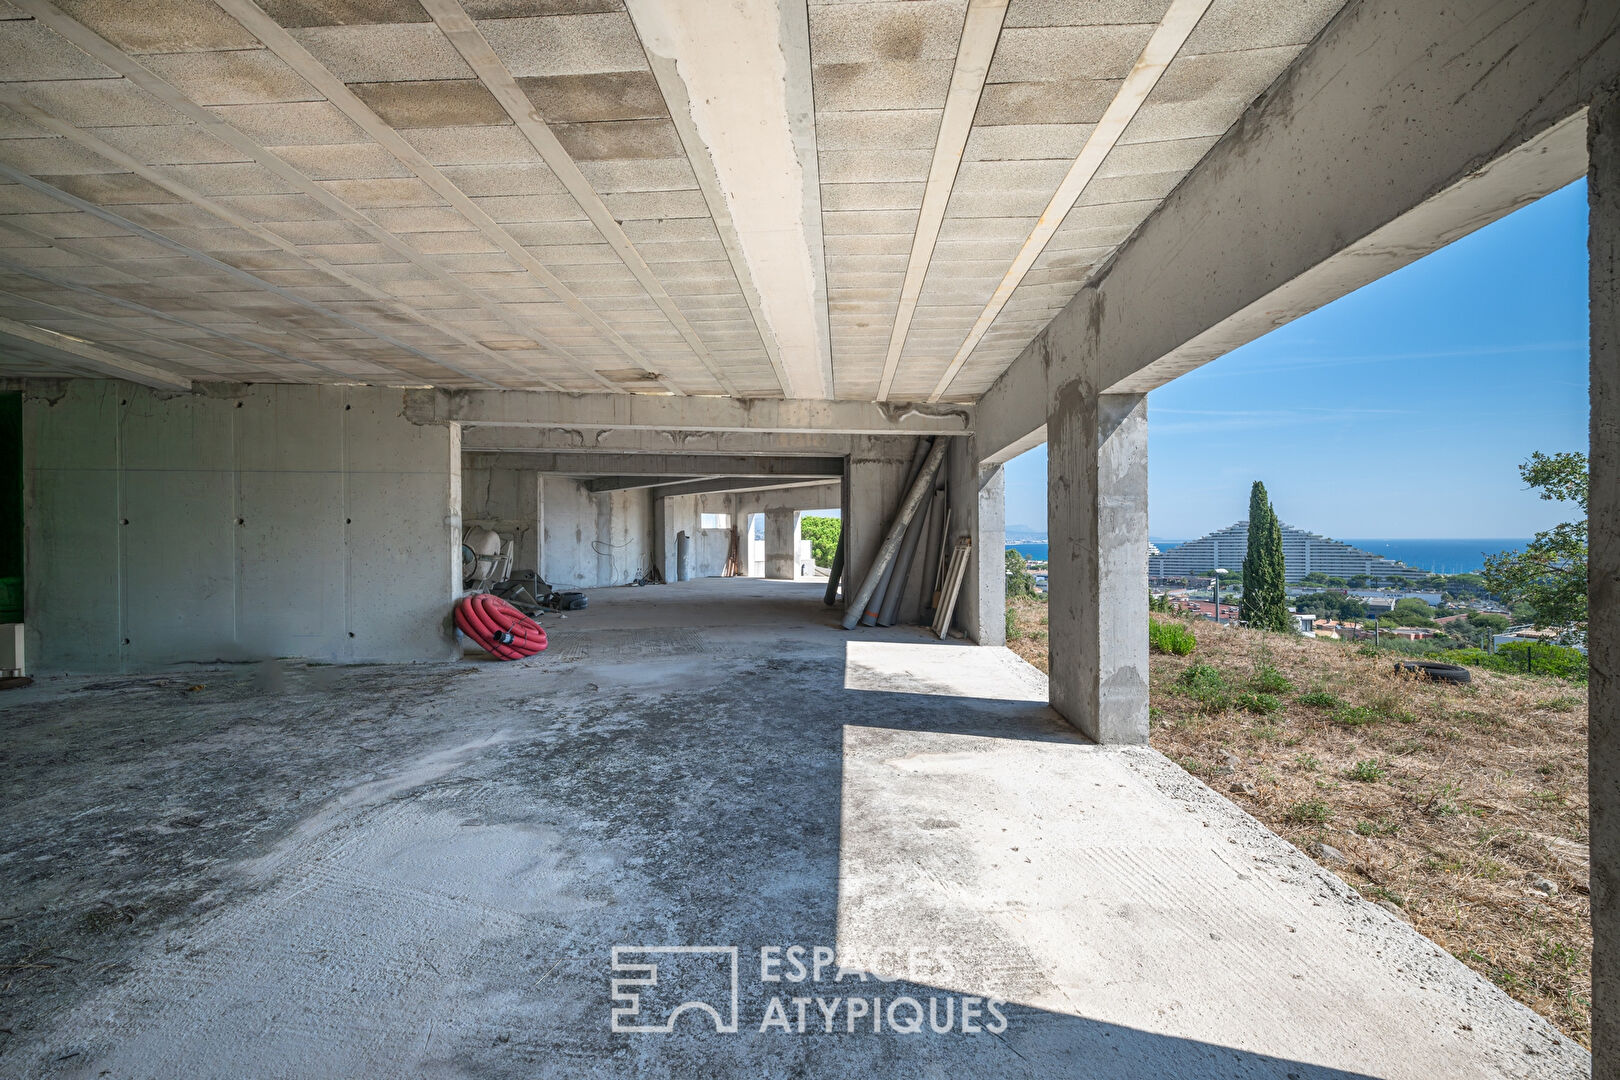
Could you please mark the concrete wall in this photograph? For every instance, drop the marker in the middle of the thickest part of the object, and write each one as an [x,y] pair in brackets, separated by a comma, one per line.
[575,538]
[506,501]
[743,504]
[247,523]
[593,540]
[708,547]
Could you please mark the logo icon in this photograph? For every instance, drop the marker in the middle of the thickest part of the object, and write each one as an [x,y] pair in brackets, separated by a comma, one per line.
[654,984]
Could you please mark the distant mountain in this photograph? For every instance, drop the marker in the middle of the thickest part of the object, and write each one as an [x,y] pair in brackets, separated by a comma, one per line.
[1027,532]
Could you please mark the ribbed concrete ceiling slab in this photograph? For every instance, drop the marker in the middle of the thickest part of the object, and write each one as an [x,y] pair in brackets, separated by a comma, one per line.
[868,201]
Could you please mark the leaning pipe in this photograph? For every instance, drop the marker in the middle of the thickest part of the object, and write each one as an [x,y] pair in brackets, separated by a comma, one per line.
[874,603]
[891,541]
[837,570]
[890,611]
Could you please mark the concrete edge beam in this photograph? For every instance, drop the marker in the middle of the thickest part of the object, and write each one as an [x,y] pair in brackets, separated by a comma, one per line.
[596,485]
[534,408]
[83,354]
[1400,129]
[594,463]
[512,440]
[730,484]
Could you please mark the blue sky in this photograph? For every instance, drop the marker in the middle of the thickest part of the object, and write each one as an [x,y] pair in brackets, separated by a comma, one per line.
[1400,410]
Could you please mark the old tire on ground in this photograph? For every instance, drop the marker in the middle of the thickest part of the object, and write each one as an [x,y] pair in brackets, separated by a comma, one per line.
[1430,669]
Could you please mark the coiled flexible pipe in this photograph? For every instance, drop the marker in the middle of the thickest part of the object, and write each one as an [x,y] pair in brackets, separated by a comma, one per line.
[499,628]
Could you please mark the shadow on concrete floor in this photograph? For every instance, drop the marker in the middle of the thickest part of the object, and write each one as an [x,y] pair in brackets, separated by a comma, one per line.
[426,870]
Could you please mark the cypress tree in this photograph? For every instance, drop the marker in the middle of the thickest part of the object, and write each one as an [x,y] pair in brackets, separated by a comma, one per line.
[1265,601]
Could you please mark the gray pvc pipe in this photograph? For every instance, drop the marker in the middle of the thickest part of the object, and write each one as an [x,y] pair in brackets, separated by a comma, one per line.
[836,571]
[874,606]
[891,541]
[902,562]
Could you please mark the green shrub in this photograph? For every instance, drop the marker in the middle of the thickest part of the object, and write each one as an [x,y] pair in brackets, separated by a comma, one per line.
[1013,633]
[1172,638]
[1309,812]
[1357,716]
[1202,677]
[1257,703]
[1268,680]
[1521,658]
[1205,685]
[822,532]
[1320,699]
[1368,772]
[1020,582]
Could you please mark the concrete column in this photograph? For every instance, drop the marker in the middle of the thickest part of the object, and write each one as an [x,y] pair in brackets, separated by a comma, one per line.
[1097,523]
[663,539]
[781,544]
[1603,576]
[978,508]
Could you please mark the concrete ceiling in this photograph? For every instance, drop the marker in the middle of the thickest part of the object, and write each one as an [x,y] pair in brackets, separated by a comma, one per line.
[863,201]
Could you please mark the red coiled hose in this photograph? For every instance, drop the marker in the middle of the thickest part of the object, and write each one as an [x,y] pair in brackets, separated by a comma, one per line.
[499,628]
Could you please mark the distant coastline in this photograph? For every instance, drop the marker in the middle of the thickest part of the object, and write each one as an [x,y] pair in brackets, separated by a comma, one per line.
[1465,556]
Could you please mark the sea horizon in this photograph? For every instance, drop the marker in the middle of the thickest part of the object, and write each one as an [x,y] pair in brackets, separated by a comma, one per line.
[1440,555]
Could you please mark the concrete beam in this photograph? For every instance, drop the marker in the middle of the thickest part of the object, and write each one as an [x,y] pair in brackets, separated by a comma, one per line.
[475,49]
[656,440]
[817,497]
[592,463]
[598,484]
[1172,32]
[83,354]
[1402,128]
[743,483]
[745,72]
[520,408]
[980,31]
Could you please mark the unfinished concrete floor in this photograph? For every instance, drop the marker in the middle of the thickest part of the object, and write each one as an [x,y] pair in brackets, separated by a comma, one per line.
[425,870]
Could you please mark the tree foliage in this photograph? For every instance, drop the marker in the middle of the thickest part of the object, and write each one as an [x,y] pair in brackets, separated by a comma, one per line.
[822,532]
[1265,599]
[1020,582]
[1331,605]
[1411,611]
[1550,574]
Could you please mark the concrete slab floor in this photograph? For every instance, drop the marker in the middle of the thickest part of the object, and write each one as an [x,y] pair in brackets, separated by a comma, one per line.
[425,870]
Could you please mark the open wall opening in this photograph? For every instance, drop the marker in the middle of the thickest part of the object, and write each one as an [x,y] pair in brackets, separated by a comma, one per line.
[1026,556]
[1405,439]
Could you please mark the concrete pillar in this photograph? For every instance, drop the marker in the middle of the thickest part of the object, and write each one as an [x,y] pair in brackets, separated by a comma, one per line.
[663,539]
[1097,524]
[978,497]
[1603,577]
[781,544]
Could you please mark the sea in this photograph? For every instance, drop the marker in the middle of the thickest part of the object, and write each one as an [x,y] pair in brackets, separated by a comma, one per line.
[1435,556]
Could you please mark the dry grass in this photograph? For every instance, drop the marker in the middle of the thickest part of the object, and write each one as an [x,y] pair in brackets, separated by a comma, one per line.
[1446,802]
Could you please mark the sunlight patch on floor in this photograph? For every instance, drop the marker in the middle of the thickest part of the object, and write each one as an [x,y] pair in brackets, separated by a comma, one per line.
[941,670]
